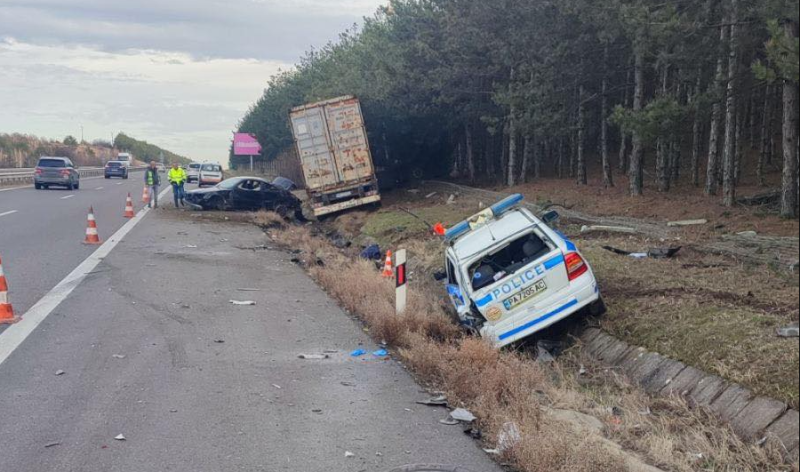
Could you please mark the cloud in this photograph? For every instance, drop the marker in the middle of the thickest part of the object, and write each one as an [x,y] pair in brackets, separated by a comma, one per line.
[179,73]
[261,29]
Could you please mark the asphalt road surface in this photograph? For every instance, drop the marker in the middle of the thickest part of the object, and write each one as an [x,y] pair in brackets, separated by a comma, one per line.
[149,346]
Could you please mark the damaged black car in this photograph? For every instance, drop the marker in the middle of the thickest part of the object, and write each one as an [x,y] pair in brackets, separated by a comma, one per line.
[246,194]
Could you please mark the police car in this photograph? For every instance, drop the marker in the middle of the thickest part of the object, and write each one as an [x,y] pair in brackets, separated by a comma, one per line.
[510,276]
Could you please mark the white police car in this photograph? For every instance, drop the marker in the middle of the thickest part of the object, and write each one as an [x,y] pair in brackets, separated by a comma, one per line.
[509,275]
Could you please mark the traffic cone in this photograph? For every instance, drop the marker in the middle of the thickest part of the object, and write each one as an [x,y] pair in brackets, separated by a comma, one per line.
[129,207]
[91,230]
[6,311]
[146,195]
[388,269]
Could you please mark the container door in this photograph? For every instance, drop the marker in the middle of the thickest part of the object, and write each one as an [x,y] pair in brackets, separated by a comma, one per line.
[350,145]
[314,148]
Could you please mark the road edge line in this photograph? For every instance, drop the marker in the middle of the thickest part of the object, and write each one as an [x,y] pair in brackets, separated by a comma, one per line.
[16,334]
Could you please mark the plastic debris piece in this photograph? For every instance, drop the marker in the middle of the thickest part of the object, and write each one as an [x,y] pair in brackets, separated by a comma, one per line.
[435,401]
[121,437]
[381,353]
[60,373]
[358,353]
[349,454]
[243,303]
[462,415]
[792,331]
[52,444]
[118,356]
[449,421]
[509,437]
[314,357]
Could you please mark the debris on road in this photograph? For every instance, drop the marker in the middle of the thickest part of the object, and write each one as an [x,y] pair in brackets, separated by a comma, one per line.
[248,289]
[451,200]
[190,246]
[358,353]
[463,416]
[435,401]
[52,444]
[655,253]
[509,437]
[381,353]
[243,303]
[120,437]
[349,455]
[59,373]
[792,331]
[118,356]
[314,357]
[678,224]
[608,229]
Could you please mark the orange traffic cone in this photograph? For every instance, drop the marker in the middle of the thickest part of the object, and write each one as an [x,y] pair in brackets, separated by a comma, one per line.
[129,207]
[388,269]
[146,195]
[6,311]
[91,230]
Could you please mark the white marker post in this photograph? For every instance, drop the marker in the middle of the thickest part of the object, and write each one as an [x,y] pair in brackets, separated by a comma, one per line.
[401,276]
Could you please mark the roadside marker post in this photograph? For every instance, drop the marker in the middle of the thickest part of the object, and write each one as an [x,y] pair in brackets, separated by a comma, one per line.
[401,276]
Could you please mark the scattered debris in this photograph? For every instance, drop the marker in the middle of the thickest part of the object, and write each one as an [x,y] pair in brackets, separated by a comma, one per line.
[118,356]
[52,444]
[451,200]
[243,303]
[509,437]
[120,437]
[435,401]
[449,421]
[277,386]
[608,229]
[655,253]
[190,246]
[248,289]
[462,415]
[349,454]
[677,224]
[59,373]
[314,357]
[792,331]
[372,253]
[358,353]
[431,195]
[381,353]
[219,341]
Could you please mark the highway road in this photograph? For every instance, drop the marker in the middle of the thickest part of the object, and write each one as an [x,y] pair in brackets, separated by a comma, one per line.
[41,231]
[138,340]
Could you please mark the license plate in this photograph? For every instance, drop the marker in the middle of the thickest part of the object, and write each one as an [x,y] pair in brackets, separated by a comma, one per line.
[525,295]
[343,194]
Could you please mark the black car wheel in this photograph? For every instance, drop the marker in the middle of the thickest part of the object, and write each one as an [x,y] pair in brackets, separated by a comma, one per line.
[37,186]
[216,203]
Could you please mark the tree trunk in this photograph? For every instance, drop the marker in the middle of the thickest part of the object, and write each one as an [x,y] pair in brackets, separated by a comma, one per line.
[662,146]
[470,152]
[527,157]
[511,176]
[712,171]
[623,137]
[762,157]
[581,163]
[790,122]
[729,153]
[538,157]
[560,159]
[739,147]
[636,169]
[608,175]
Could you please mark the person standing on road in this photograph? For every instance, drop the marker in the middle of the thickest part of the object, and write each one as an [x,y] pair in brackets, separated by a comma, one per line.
[177,177]
[153,181]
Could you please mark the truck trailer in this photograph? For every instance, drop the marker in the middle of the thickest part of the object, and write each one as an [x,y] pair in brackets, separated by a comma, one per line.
[334,151]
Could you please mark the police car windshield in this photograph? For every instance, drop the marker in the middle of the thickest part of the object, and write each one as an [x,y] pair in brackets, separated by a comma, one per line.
[507,260]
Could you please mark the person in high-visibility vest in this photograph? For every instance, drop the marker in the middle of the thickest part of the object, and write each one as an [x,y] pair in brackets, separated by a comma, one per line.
[153,181]
[177,177]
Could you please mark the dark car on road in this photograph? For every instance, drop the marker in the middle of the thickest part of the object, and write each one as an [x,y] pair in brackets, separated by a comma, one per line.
[246,194]
[116,169]
[58,171]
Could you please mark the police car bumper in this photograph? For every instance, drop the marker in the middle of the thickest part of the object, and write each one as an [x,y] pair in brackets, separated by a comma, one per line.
[581,293]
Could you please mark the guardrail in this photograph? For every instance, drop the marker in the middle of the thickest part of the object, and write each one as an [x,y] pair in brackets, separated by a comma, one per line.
[10,177]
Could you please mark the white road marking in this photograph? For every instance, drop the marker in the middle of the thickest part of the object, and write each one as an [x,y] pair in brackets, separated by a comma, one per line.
[7,213]
[99,188]
[67,197]
[16,334]
[14,188]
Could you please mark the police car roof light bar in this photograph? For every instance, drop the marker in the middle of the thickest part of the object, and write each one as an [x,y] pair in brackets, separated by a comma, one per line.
[498,209]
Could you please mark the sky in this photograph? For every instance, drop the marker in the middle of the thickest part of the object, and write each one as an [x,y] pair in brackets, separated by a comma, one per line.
[176,73]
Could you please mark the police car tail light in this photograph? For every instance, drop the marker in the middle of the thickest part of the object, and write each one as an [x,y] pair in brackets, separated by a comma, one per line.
[576,266]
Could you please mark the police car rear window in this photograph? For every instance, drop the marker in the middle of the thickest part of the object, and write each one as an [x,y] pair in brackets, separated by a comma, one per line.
[508,260]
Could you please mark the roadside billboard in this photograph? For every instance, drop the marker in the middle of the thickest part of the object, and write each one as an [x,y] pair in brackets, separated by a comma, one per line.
[245,144]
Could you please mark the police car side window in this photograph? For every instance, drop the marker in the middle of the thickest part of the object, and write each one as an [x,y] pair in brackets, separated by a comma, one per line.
[451,273]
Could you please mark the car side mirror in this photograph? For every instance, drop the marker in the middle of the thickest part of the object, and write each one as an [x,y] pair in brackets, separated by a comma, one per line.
[551,217]
[440,276]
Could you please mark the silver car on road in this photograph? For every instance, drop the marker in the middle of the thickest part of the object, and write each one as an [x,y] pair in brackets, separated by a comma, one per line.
[59,171]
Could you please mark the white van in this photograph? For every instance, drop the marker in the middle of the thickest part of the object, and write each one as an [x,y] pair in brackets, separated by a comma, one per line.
[193,172]
[210,174]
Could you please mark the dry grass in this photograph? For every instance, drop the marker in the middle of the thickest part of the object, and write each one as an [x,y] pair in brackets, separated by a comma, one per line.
[506,387]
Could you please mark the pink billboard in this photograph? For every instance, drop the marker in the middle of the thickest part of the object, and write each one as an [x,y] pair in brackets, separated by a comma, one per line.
[245,144]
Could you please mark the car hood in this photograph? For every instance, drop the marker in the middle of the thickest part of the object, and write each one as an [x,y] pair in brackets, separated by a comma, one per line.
[205,191]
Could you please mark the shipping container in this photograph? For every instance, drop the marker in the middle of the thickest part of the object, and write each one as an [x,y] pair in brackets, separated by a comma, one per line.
[332,144]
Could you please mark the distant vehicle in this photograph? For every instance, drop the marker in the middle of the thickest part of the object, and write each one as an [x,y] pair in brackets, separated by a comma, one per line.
[210,174]
[510,276]
[125,158]
[59,171]
[116,169]
[161,168]
[247,194]
[334,151]
[193,172]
